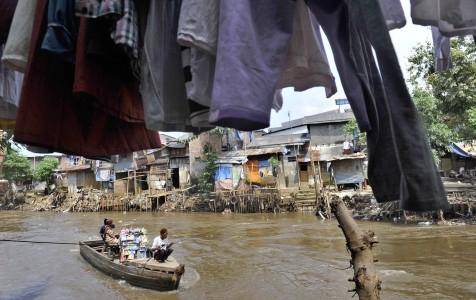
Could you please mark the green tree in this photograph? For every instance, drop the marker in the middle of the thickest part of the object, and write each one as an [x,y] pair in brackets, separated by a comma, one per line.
[440,135]
[447,98]
[45,168]
[5,140]
[207,178]
[349,129]
[16,167]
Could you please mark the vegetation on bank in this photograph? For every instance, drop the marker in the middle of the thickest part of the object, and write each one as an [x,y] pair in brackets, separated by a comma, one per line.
[446,100]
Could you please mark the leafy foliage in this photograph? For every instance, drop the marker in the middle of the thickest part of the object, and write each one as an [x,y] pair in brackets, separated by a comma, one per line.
[351,127]
[5,140]
[440,134]
[16,167]
[206,179]
[274,161]
[447,99]
[45,168]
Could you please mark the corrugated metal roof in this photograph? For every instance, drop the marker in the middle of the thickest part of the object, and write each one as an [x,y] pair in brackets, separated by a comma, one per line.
[252,152]
[334,152]
[273,140]
[75,168]
[333,116]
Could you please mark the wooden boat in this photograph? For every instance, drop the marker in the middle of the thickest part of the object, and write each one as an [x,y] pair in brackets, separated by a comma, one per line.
[147,273]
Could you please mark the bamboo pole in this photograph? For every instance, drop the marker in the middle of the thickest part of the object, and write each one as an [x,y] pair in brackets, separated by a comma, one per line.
[321,183]
[316,190]
[135,183]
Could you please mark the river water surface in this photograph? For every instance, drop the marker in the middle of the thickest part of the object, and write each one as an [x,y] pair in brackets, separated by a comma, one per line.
[254,256]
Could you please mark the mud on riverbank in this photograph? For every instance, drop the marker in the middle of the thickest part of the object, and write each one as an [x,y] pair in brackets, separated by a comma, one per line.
[362,204]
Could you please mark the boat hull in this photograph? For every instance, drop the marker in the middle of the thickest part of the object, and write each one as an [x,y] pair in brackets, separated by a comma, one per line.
[165,279]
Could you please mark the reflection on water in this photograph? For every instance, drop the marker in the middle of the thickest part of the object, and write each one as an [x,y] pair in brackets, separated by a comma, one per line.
[258,256]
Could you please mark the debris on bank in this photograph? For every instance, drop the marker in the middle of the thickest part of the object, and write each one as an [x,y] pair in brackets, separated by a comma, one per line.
[362,204]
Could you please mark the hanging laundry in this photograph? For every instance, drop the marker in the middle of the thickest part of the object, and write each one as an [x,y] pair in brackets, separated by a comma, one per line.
[335,23]
[393,13]
[162,80]
[123,19]
[401,165]
[198,24]
[306,63]
[453,18]
[199,68]
[126,32]
[10,88]
[52,116]
[112,9]
[17,47]
[62,30]
[442,50]
[103,76]
[253,39]
[198,31]
[277,100]
[7,10]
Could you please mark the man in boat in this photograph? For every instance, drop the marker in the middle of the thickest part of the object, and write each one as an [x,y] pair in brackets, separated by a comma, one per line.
[161,246]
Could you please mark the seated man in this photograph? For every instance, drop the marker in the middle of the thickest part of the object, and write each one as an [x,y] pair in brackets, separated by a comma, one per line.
[161,246]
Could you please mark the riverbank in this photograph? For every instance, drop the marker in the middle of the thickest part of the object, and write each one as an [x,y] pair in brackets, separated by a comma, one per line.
[362,204]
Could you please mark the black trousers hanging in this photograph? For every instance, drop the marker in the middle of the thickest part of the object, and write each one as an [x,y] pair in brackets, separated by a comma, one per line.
[401,165]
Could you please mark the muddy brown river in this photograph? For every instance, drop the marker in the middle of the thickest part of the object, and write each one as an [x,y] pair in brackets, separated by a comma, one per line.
[254,256]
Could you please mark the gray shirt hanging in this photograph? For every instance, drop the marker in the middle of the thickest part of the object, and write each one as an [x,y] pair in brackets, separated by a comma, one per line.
[162,80]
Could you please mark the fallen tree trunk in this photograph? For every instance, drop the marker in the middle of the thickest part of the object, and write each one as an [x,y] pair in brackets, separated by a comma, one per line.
[360,244]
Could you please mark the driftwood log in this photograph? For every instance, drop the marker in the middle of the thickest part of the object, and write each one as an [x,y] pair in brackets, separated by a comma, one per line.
[360,244]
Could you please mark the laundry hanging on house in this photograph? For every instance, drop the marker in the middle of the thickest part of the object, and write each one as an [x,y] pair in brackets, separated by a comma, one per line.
[99,79]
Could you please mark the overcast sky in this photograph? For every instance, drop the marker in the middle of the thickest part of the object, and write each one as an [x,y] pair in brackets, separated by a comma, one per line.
[314,101]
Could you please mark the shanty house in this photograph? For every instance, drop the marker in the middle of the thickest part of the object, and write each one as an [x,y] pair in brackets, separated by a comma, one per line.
[76,172]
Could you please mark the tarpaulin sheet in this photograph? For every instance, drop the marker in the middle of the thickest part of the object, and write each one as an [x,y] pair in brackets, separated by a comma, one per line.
[348,171]
[224,172]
